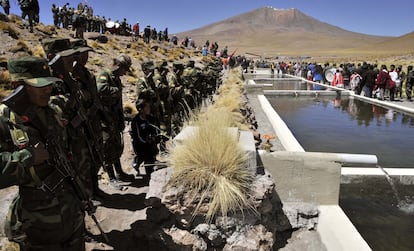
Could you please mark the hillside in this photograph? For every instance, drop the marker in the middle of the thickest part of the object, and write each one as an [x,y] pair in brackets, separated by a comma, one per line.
[272,32]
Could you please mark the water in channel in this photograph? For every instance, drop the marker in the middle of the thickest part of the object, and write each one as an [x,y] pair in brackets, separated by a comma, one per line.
[381,209]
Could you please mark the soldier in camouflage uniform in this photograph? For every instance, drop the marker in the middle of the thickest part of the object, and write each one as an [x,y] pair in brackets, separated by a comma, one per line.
[163,90]
[85,113]
[6,6]
[190,78]
[177,95]
[47,214]
[147,90]
[110,92]
[55,13]
[95,112]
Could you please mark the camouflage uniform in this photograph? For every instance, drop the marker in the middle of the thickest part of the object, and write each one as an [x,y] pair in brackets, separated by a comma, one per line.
[190,80]
[55,12]
[28,9]
[110,92]
[74,97]
[147,91]
[163,90]
[94,113]
[40,217]
[6,6]
[177,95]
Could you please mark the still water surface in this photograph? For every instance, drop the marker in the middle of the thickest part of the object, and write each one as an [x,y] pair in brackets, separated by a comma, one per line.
[351,126]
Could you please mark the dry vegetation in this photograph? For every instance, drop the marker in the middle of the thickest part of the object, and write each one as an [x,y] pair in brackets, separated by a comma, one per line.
[210,162]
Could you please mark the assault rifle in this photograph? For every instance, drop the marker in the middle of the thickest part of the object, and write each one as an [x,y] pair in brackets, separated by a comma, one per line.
[64,169]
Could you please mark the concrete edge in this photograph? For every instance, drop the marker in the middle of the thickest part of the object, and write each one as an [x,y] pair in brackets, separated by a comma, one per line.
[377,171]
[337,232]
[284,134]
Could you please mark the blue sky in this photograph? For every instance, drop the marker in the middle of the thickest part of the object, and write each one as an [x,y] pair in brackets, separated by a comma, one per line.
[374,17]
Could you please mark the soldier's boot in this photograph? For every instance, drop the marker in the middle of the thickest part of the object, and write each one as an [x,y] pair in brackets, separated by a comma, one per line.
[121,174]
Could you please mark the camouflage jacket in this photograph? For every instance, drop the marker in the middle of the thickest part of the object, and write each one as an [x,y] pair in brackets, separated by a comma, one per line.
[36,214]
[110,93]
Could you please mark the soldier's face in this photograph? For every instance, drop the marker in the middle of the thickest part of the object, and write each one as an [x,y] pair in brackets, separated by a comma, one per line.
[39,96]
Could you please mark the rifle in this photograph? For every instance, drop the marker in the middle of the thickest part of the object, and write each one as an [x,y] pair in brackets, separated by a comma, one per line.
[58,66]
[64,170]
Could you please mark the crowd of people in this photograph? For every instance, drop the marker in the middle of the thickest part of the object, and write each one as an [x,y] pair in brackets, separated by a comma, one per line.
[364,78]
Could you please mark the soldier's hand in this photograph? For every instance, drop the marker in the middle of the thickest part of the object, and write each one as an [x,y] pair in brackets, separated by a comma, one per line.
[40,153]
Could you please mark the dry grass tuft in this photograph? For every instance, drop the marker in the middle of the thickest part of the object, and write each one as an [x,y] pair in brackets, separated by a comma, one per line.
[4,77]
[212,164]
[38,51]
[96,61]
[7,28]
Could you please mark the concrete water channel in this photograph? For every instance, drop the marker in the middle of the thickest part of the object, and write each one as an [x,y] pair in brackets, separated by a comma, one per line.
[352,155]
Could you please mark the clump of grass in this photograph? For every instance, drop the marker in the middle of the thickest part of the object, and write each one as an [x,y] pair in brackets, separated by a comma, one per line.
[38,51]
[97,46]
[211,164]
[7,28]
[96,61]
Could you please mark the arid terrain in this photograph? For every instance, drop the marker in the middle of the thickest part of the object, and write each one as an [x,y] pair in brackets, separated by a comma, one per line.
[261,33]
[268,32]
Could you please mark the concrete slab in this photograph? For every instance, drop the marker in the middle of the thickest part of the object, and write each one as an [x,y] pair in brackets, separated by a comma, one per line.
[302,177]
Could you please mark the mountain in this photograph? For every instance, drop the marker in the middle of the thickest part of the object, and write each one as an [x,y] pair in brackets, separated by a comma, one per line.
[269,32]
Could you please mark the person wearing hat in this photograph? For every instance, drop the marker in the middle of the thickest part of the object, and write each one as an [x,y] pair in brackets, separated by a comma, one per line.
[54,45]
[110,91]
[147,90]
[95,114]
[163,90]
[190,79]
[47,213]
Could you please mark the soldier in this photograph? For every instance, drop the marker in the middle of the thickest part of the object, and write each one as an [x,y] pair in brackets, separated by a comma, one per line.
[147,90]
[28,9]
[110,92]
[6,6]
[147,34]
[177,95]
[78,24]
[95,113]
[47,214]
[190,78]
[55,12]
[86,138]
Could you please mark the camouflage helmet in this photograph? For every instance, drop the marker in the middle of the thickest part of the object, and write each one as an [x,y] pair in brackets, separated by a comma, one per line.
[148,65]
[33,71]
[161,64]
[124,61]
[80,45]
[190,63]
[178,65]
[55,45]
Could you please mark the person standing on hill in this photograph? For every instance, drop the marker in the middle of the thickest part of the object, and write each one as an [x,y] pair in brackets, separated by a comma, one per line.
[6,6]
[110,91]
[28,9]
[144,138]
